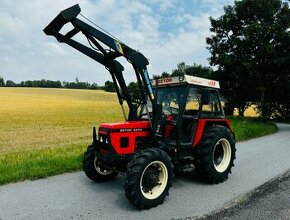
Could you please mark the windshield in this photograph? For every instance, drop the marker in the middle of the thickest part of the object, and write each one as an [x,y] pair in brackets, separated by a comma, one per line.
[170,98]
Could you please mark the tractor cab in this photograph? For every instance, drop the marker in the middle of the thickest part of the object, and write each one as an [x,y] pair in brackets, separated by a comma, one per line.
[185,102]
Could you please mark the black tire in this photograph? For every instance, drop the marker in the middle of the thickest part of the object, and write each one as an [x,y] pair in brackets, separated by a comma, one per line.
[148,178]
[215,154]
[93,170]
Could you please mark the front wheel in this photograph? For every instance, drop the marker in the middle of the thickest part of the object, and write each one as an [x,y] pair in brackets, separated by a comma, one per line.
[215,154]
[94,169]
[148,178]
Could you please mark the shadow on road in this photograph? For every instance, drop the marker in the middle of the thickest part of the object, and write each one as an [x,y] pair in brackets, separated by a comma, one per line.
[115,187]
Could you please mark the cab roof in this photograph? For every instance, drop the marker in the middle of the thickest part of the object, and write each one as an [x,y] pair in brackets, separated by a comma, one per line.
[187,79]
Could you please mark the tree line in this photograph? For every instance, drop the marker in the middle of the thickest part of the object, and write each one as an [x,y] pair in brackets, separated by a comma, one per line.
[50,84]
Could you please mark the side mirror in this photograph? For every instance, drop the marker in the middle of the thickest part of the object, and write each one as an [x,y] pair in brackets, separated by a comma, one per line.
[205,96]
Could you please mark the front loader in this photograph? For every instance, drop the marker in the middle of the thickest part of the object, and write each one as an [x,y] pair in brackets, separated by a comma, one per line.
[178,121]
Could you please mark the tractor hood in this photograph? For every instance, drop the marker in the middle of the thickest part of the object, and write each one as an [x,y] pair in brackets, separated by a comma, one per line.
[122,137]
[131,126]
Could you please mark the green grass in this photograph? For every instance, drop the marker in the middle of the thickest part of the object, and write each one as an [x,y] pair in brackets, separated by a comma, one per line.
[44,132]
[34,164]
[248,128]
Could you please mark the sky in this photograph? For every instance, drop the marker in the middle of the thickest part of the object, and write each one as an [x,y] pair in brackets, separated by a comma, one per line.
[167,32]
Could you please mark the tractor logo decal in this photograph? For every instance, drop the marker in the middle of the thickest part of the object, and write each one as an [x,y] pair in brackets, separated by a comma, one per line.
[181,78]
[164,80]
[119,47]
[130,130]
[211,83]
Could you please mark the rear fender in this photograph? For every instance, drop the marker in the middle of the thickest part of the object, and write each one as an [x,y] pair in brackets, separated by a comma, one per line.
[203,123]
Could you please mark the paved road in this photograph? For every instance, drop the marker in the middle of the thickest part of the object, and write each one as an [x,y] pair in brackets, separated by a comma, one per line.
[267,202]
[73,196]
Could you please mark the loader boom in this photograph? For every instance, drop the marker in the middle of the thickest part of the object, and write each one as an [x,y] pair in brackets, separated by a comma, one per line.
[105,57]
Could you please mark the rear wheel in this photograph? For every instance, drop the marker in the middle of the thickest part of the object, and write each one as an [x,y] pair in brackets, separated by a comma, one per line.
[148,178]
[216,154]
[94,169]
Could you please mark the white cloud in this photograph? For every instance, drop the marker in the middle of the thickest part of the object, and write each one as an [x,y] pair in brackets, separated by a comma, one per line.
[162,5]
[53,48]
[27,53]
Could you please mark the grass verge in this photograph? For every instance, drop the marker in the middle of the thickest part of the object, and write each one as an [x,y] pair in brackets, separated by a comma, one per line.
[35,164]
[248,128]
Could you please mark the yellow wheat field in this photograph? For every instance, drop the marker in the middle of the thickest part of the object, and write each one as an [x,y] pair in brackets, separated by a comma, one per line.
[37,118]
[249,112]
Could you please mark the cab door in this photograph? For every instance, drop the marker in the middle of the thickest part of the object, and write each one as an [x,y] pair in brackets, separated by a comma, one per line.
[190,116]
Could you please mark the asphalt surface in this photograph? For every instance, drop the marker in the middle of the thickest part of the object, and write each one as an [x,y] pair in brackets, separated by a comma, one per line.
[267,202]
[73,196]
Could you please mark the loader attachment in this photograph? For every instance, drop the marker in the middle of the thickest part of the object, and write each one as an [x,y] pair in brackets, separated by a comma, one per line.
[61,19]
[97,38]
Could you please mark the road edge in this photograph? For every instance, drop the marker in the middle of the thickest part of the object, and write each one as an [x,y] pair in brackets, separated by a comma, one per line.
[240,201]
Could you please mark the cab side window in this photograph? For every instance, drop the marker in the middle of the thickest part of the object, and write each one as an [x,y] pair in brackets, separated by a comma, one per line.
[213,107]
[193,101]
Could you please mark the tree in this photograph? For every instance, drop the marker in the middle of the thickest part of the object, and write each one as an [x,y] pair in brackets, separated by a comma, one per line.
[134,91]
[250,47]
[109,86]
[2,82]
[10,83]
[94,86]
[163,74]
[193,70]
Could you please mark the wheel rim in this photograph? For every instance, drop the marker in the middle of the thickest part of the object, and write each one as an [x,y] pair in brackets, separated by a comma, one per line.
[222,155]
[101,170]
[154,180]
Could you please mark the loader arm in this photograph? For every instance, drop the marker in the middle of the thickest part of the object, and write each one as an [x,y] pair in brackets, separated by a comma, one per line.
[105,57]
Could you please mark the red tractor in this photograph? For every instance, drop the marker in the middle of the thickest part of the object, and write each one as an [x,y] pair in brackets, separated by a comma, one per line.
[178,121]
